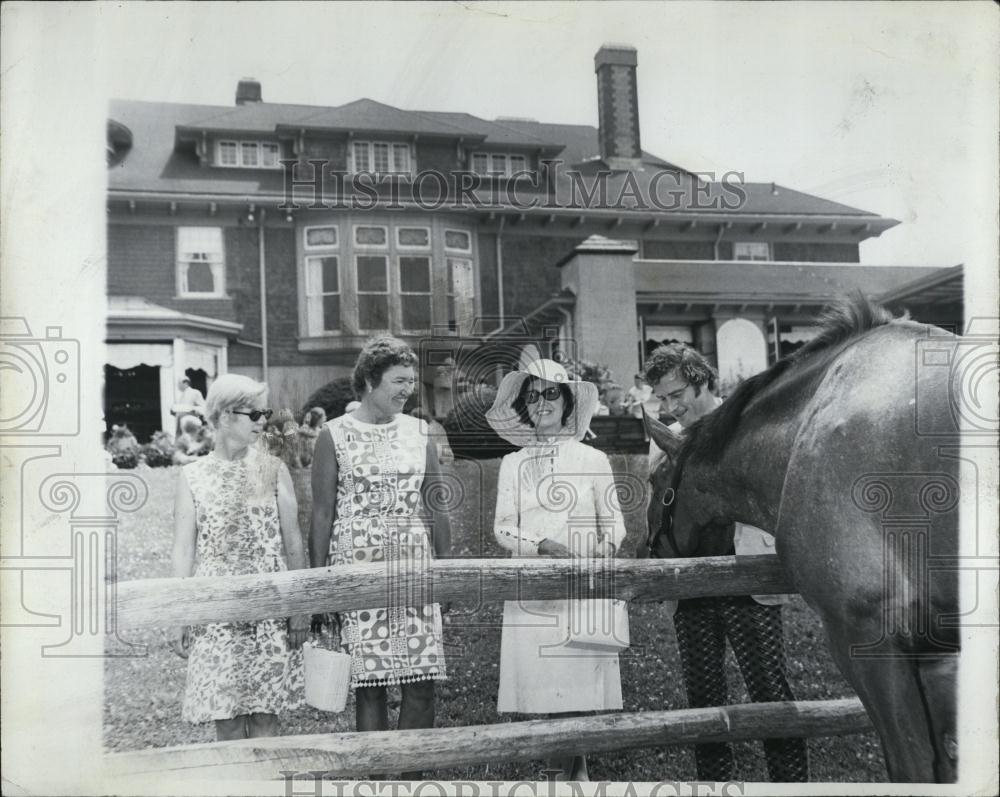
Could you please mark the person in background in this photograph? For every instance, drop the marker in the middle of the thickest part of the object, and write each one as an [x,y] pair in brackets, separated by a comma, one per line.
[308,432]
[546,414]
[376,500]
[637,398]
[192,442]
[236,514]
[614,398]
[438,435]
[190,401]
[687,385]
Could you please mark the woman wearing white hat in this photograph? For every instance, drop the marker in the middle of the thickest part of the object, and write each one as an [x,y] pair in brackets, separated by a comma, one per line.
[555,497]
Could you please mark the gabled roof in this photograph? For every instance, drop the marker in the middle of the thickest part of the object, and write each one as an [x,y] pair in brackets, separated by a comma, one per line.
[255,117]
[156,164]
[360,116]
[497,133]
[580,142]
[366,115]
[582,149]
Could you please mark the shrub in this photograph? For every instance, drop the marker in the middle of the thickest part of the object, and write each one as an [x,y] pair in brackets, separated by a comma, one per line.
[469,435]
[159,451]
[333,397]
[280,437]
[586,371]
[123,447]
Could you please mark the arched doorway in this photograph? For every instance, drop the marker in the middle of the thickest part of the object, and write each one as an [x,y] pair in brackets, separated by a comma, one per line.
[742,352]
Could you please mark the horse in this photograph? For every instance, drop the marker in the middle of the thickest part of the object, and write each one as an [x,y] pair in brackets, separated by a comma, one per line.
[825,450]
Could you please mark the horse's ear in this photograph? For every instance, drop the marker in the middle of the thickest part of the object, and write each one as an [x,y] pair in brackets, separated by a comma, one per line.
[669,442]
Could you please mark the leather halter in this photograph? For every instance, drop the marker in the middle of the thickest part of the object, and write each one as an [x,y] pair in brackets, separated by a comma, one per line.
[668,501]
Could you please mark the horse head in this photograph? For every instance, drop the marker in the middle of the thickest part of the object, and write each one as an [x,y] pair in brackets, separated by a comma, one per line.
[662,491]
[672,529]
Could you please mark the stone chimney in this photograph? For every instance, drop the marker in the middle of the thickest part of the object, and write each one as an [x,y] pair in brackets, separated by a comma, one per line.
[247,91]
[618,106]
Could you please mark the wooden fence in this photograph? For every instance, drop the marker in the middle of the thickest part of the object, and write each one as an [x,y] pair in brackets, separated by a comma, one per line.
[167,602]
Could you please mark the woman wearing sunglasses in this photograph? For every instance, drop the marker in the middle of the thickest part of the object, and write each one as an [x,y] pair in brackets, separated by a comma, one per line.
[555,497]
[236,514]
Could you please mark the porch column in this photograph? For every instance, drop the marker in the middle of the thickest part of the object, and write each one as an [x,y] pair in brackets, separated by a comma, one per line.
[601,275]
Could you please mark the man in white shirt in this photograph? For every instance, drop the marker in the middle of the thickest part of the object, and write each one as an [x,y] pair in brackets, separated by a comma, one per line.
[639,397]
[687,384]
[190,401]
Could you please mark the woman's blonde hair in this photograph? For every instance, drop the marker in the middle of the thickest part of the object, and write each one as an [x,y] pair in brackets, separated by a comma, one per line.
[230,392]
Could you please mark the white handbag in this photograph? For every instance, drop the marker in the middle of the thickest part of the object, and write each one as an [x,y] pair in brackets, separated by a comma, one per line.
[327,674]
[598,625]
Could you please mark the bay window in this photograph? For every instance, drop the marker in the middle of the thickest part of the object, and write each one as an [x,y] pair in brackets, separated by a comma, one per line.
[373,292]
[364,275]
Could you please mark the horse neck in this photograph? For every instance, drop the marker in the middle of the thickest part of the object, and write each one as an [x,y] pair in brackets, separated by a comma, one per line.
[744,484]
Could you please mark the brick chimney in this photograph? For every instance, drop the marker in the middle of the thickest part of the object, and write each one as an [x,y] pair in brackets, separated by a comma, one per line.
[247,91]
[618,106]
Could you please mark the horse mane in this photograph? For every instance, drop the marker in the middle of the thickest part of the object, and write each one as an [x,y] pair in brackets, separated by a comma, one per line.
[845,319]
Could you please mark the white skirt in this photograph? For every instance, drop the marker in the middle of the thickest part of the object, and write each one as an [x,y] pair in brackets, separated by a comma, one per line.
[540,674]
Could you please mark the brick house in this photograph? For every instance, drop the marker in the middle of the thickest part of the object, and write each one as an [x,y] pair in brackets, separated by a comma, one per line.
[456,233]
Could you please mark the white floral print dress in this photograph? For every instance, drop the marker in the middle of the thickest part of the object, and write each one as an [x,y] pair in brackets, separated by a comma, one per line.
[239,668]
[381,518]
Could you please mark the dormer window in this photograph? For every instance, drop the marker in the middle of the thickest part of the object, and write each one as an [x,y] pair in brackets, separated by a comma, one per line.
[751,250]
[248,154]
[381,157]
[499,164]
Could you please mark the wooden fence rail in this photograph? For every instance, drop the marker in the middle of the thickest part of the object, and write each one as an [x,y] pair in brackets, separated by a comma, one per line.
[174,601]
[361,754]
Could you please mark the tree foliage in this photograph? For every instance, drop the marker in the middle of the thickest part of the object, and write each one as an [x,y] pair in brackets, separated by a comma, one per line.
[333,397]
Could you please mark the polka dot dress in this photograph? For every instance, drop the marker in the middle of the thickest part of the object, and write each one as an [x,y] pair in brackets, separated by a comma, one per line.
[381,519]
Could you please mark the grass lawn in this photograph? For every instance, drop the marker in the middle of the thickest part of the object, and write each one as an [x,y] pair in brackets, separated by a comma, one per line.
[143,695]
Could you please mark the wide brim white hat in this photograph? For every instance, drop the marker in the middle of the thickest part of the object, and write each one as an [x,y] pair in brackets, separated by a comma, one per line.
[506,421]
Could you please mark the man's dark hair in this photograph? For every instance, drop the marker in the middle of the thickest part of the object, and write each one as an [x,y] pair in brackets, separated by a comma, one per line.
[686,362]
[520,403]
[377,357]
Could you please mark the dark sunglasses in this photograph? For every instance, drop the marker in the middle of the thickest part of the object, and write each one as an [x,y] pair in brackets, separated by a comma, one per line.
[255,415]
[549,394]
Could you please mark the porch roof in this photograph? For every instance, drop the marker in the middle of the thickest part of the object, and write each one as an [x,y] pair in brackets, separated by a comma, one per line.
[759,283]
[132,317]
[942,285]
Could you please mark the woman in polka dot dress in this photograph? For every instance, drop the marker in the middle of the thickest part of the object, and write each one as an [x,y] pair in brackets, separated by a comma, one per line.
[375,475]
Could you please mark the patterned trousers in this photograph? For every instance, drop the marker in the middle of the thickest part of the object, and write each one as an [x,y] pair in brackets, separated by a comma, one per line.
[755,634]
